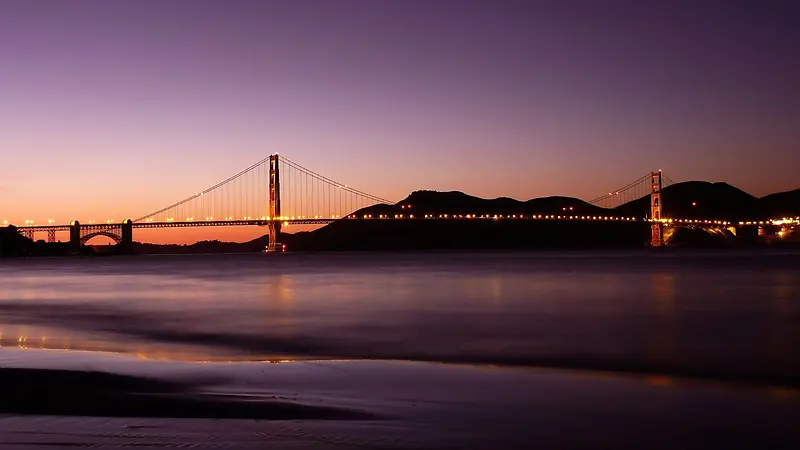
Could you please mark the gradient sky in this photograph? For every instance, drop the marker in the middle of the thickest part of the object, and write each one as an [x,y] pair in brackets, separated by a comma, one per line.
[114,109]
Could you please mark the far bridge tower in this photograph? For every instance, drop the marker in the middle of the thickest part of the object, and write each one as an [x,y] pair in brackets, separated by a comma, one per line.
[657,227]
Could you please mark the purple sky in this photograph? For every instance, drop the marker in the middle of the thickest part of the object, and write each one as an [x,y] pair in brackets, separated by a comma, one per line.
[115,109]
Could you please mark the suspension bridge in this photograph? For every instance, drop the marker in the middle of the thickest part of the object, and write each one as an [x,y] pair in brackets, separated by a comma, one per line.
[277,192]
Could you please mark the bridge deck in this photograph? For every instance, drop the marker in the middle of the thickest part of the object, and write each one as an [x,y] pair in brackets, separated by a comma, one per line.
[295,221]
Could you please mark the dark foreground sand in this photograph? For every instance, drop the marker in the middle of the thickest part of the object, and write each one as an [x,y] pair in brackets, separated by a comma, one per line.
[56,400]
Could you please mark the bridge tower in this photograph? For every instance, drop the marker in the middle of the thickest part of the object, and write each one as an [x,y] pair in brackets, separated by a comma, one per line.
[274,205]
[657,227]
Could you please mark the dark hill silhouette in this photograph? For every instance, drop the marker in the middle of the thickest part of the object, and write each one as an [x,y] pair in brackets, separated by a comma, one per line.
[563,205]
[781,204]
[699,200]
[420,203]
[690,200]
[469,234]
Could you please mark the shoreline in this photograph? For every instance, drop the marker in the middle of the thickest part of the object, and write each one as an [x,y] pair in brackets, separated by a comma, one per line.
[573,366]
[667,249]
[783,248]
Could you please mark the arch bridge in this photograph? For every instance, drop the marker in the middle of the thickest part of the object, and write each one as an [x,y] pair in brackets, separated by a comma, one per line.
[79,234]
[121,233]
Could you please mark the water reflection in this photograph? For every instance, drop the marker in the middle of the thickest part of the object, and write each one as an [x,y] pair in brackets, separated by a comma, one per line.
[24,338]
[660,381]
[278,291]
[29,339]
[665,330]
[782,334]
[710,314]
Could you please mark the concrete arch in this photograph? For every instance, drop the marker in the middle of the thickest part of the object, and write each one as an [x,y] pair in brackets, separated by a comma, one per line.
[108,234]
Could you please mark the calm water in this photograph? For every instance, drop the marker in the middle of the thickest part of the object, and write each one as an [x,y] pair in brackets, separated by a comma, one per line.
[733,315]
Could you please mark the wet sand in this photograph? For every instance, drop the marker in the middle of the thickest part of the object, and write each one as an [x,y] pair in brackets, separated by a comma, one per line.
[52,399]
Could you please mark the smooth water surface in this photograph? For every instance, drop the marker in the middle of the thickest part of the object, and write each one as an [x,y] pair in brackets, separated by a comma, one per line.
[721,314]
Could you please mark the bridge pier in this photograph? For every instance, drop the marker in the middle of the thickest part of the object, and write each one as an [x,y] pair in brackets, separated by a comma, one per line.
[126,237]
[51,236]
[127,232]
[275,237]
[75,237]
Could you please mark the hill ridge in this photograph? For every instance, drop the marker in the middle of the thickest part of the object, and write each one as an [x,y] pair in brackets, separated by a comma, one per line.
[691,199]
